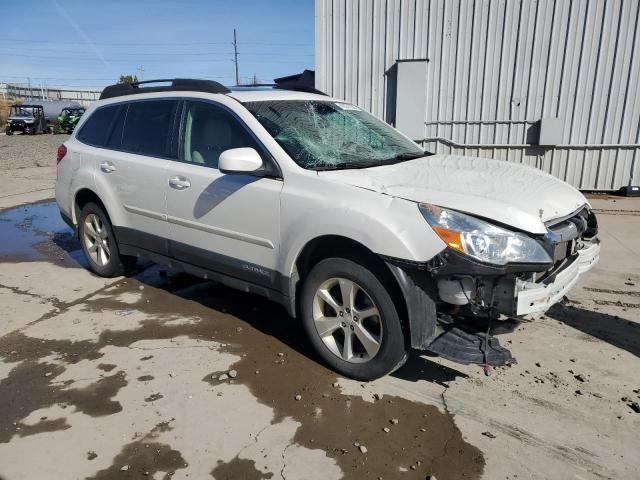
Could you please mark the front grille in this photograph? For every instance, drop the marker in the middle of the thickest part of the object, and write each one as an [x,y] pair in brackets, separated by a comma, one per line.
[569,228]
[564,238]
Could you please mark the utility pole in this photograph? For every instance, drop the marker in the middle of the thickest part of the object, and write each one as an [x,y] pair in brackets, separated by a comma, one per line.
[235,55]
[141,70]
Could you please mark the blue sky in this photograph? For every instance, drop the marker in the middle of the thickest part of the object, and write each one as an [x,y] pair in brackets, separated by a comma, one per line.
[89,44]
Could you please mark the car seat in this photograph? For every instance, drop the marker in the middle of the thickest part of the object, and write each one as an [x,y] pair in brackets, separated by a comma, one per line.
[213,138]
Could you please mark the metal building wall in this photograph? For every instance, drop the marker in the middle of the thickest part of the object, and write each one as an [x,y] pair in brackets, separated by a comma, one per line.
[494,68]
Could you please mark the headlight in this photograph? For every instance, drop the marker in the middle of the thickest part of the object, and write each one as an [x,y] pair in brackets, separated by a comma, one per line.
[480,239]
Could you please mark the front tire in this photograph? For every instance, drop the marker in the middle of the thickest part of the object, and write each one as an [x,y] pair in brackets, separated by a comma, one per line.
[351,320]
[99,243]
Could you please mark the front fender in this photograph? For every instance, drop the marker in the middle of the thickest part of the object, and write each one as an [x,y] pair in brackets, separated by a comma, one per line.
[388,226]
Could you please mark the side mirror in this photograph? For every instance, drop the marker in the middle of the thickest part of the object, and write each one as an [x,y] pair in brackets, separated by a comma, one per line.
[239,161]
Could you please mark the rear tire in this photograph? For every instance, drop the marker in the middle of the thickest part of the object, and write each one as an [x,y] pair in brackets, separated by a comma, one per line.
[99,243]
[351,320]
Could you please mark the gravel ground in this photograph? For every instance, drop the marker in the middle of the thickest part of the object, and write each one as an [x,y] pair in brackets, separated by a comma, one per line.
[22,151]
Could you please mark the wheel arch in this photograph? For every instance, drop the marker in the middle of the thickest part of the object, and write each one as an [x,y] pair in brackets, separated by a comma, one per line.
[81,198]
[328,246]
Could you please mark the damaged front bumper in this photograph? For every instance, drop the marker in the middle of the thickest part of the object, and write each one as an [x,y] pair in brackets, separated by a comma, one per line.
[457,324]
[534,299]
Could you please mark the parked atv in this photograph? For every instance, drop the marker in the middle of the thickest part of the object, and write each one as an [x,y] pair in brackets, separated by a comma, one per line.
[28,119]
[68,119]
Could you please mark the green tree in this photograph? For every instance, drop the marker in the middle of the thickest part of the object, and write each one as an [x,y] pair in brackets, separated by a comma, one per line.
[128,79]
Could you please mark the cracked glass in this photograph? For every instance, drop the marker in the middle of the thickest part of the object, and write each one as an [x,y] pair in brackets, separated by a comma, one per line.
[325,135]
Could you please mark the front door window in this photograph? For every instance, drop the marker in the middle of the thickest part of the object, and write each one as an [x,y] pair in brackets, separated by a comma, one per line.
[210,130]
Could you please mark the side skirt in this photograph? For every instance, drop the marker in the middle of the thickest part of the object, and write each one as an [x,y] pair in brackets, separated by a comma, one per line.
[232,272]
[226,280]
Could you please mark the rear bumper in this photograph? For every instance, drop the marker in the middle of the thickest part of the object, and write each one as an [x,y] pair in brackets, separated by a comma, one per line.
[533,299]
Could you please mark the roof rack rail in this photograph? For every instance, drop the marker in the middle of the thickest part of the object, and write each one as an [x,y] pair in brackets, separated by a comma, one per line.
[177,85]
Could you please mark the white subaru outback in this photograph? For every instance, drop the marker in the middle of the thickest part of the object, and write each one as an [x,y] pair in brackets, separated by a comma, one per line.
[374,244]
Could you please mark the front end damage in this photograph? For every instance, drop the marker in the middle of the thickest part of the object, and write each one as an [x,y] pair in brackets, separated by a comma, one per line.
[455,302]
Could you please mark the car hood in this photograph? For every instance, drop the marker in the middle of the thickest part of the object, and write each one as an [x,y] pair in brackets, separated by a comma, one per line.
[20,117]
[509,193]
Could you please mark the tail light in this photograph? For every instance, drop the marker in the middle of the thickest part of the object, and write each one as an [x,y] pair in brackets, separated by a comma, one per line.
[62,151]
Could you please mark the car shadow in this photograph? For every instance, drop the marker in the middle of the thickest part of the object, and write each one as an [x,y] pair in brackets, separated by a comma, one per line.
[614,330]
[272,319]
[419,368]
[218,191]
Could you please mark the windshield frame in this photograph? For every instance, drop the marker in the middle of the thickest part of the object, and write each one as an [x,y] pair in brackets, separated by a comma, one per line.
[22,111]
[362,122]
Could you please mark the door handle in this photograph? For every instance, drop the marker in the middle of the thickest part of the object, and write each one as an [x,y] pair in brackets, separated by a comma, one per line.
[107,167]
[179,183]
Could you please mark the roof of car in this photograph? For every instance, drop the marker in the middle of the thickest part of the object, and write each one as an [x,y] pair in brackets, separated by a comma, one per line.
[285,90]
[259,94]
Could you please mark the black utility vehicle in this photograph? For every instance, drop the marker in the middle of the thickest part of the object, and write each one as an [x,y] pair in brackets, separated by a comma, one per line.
[27,119]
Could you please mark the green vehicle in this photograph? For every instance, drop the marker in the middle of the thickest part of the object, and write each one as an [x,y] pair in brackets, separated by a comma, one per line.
[68,119]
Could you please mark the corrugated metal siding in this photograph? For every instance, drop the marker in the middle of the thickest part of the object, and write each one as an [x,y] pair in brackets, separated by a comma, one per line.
[495,61]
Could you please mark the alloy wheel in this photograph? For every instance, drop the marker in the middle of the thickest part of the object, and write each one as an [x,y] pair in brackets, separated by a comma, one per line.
[96,239]
[347,320]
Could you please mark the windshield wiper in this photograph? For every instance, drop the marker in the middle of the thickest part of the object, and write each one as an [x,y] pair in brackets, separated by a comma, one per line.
[402,157]
[342,166]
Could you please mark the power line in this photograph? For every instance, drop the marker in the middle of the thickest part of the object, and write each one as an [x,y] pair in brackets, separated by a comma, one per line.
[115,60]
[120,60]
[56,78]
[15,78]
[190,53]
[155,44]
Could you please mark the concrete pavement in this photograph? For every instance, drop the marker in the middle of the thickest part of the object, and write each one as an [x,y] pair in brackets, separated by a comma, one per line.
[125,378]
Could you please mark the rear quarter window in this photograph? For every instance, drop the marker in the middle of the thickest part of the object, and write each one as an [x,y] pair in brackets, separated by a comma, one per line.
[148,128]
[114,138]
[99,125]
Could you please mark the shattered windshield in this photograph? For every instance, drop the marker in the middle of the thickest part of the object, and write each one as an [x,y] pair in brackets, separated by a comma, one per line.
[323,135]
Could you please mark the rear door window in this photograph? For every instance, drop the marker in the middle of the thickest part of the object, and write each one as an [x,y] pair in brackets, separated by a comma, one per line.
[98,126]
[148,128]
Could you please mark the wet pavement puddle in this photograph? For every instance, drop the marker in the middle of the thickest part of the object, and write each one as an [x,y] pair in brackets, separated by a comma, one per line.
[37,232]
[273,362]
